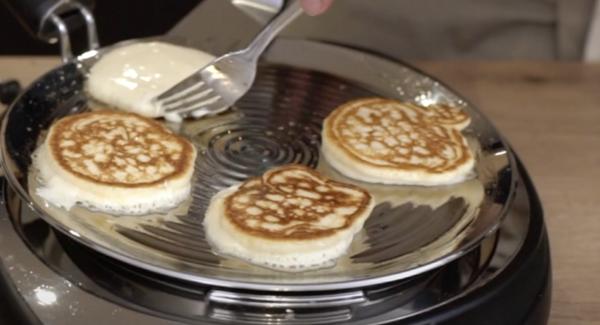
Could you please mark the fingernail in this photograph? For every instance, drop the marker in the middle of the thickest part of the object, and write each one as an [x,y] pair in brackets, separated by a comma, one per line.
[313,7]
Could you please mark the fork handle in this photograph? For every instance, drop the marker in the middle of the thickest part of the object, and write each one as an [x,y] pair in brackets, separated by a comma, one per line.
[264,38]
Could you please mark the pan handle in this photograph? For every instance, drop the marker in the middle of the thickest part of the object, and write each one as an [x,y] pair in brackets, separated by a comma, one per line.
[49,20]
[9,90]
[338,299]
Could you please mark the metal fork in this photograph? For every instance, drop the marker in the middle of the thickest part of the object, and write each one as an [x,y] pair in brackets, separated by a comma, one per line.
[218,85]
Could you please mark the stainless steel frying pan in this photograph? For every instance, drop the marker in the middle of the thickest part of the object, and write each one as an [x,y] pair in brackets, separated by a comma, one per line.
[412,229]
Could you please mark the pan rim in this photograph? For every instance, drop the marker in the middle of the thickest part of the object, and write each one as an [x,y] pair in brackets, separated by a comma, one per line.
[277,53]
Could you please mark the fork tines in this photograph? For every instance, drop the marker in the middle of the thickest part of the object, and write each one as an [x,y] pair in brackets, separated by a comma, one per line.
[190,95]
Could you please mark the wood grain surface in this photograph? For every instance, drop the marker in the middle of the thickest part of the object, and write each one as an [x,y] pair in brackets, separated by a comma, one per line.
[550,113]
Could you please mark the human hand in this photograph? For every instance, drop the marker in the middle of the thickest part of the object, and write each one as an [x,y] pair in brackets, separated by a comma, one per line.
[315,7]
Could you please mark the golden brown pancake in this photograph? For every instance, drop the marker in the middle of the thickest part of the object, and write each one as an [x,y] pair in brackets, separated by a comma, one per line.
[291,218]
[386,141]
[114,161]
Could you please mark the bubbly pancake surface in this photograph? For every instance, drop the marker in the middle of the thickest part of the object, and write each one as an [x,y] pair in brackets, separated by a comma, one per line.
[115,161]
[118,149]
[387,141]
[130,76]
[291,218]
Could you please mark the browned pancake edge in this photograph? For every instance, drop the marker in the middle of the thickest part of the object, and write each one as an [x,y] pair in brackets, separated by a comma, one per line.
[263,188]
[181,165]
[441,117]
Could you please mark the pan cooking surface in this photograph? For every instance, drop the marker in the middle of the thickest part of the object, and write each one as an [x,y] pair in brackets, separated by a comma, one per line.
[411,230]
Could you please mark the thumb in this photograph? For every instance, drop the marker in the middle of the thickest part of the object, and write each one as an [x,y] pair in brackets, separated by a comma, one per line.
[315,7]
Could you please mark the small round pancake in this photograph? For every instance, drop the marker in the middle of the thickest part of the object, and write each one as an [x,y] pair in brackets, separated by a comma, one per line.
[290,219]
[130,76]
[114,162]
[386,141]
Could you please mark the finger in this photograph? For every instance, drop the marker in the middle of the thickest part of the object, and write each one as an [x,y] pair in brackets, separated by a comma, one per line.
[315,7]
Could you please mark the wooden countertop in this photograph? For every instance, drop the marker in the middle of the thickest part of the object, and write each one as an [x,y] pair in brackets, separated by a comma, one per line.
[550,113]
